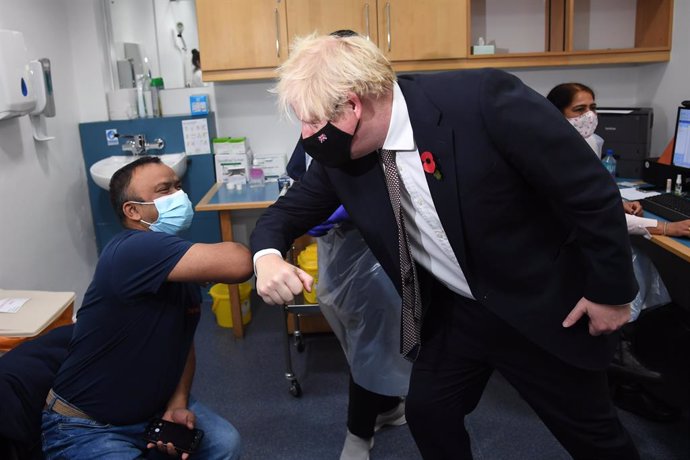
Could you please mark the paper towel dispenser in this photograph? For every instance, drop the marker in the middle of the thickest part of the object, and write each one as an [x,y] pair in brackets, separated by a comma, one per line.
[16,95]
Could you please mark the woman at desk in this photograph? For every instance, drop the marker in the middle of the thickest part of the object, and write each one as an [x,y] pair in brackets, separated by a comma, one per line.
[577,103]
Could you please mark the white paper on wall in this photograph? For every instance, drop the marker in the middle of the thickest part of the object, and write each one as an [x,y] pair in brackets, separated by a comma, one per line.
[196,138]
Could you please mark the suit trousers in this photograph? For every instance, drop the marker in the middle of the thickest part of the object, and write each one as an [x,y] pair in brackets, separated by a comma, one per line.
[462,343]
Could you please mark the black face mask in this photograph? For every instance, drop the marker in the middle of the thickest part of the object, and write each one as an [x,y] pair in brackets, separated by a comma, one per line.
[329,146]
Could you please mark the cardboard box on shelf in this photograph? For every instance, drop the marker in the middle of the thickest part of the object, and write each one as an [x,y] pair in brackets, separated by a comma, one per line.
[273,165]
[483,49]
[231,164]
[223,145]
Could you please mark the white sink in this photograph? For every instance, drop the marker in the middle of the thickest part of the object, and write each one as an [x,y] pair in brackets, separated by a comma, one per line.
[102,170]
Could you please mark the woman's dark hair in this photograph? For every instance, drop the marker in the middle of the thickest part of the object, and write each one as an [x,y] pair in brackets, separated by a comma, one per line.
[562,95]
[196,59]
[119,184]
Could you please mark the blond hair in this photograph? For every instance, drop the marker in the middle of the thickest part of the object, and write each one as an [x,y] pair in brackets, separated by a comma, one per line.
[322,69]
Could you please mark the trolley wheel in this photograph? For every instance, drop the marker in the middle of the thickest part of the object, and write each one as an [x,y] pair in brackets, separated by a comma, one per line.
[295,388]
[299,343]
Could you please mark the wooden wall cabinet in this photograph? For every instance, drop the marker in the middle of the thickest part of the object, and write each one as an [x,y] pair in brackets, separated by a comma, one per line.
[326,16]
[248,39]
[241,39]
[412,32]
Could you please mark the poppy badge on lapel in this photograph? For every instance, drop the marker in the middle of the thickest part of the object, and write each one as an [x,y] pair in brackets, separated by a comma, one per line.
[429,164]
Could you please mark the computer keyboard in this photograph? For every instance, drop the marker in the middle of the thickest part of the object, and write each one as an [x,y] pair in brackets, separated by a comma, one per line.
[670,207]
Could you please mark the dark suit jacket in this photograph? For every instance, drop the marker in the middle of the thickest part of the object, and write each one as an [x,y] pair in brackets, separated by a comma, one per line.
[533,217]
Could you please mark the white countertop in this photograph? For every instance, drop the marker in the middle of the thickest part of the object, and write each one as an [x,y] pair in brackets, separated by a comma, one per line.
[42,308]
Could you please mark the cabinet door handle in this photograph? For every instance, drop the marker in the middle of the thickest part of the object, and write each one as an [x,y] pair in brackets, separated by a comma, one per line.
[388,24]
[277,32]
[366,18]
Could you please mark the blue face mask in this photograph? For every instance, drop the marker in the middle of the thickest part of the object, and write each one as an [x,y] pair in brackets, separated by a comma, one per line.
[175,213]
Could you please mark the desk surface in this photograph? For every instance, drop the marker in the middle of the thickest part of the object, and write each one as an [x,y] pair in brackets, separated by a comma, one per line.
[677,246]
[36,314]
[219,198]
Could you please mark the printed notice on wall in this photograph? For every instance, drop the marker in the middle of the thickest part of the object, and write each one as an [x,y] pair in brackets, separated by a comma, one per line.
[11,305]
[196,138]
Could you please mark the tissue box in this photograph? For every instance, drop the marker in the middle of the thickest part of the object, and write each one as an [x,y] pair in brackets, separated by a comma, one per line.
[273,165]
[198,104]
[223,145]
[483,49]
[175,101]
[232,164]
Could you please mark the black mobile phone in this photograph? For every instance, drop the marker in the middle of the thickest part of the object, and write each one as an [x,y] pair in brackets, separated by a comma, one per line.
[184,439]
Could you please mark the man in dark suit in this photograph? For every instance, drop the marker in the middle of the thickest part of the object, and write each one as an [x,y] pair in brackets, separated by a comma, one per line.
[516,231]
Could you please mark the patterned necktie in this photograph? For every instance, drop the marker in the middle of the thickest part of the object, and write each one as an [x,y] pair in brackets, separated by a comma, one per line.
[411,319]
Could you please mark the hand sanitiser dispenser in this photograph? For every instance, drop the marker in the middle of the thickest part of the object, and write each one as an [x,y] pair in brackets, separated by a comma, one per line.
[16,96]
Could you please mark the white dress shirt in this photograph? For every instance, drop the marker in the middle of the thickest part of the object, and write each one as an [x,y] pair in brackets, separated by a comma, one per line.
[638,225]
[428,241]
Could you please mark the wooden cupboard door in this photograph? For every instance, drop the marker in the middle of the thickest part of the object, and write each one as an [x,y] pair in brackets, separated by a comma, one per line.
[419,30]
[326,16]
[241,34]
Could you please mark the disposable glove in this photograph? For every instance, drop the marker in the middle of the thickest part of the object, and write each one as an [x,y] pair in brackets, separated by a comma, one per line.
[338,216]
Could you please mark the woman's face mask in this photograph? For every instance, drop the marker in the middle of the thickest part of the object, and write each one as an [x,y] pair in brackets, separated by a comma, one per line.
[585,123]
[175,213]
[329,146]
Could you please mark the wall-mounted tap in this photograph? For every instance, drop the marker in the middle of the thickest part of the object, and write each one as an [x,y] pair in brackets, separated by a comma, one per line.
[137,145]
[157,144]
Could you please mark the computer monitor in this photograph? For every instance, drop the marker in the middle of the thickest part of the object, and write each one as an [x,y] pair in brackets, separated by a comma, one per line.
[681,143]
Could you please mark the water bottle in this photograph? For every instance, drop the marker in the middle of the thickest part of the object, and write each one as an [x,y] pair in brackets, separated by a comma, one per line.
[610,162]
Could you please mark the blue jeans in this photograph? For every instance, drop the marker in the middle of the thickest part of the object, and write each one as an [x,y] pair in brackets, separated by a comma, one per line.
[78,438]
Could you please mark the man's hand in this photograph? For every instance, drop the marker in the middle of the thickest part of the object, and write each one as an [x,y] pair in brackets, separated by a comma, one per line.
[183,417]
[603,319]
[278,282]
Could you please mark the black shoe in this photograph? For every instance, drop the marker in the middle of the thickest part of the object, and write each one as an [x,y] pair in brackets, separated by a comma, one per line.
[633,398]
[626,363]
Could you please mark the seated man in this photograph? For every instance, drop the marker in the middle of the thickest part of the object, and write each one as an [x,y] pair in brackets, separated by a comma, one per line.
[131,357]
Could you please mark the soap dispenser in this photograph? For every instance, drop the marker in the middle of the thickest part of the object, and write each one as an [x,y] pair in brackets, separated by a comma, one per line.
[16,96]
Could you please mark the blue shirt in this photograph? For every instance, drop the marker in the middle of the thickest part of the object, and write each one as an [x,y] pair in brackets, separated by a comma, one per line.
[133,331]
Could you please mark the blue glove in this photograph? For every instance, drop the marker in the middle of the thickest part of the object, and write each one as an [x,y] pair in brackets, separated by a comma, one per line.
[340,215]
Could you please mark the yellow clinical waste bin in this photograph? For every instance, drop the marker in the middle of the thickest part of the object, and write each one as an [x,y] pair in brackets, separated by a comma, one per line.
[221,303]
[307,261]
